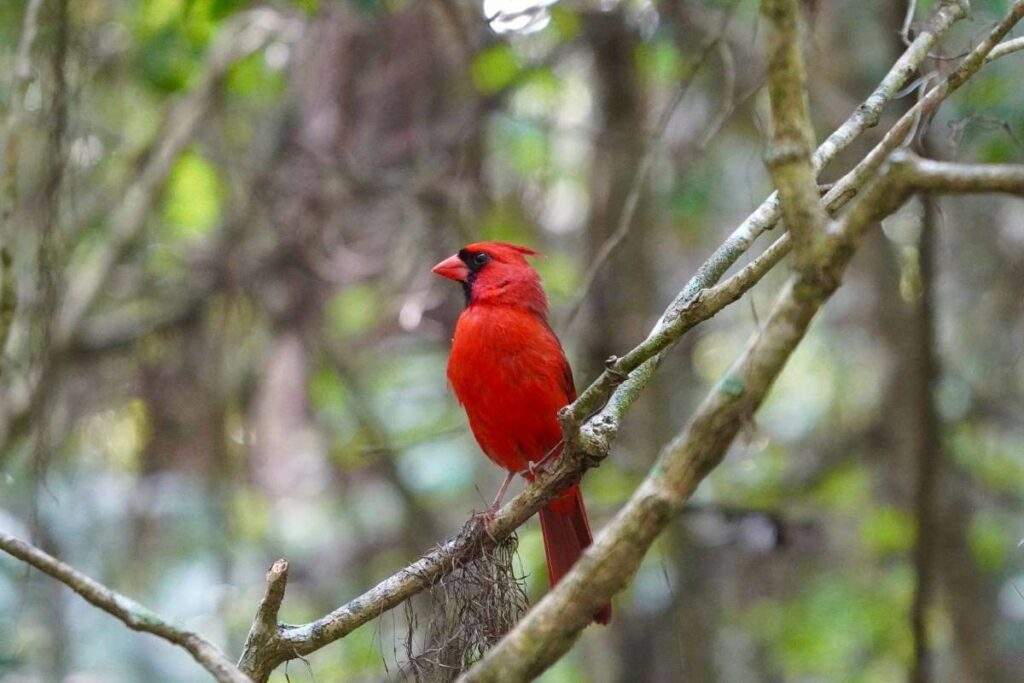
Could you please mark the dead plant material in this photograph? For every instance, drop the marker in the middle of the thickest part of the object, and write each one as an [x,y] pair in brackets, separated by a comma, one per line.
[464,614]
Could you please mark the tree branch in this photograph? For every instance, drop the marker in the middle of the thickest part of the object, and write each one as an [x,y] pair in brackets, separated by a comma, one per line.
[640,363]
[550,628]
[591,422]
[1003,49]
[929,175]
[295,640]
[792,136]
[927,105]
[8,300]
[264,626]
[134,615]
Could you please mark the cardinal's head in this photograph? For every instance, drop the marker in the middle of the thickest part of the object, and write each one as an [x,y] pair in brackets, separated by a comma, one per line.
[496,273]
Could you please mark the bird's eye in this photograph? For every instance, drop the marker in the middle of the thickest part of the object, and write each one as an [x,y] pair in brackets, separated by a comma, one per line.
[480,259]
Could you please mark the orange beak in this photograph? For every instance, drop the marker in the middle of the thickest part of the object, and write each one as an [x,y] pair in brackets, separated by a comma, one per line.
[452,268]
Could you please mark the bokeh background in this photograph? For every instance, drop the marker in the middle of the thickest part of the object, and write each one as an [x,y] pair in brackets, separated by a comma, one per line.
[262,374]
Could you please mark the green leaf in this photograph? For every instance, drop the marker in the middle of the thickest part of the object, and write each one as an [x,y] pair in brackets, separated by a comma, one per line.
[565,21]
[168,61]
[887,530]
[495,68]
[659,62]
[192,203]
[326,391]
[845,489]
[529,149]
[252,79]
[989,541]
[154,15]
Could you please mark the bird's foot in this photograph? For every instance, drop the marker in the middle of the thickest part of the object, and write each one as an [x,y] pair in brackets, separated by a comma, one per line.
[484,518]
[533,468]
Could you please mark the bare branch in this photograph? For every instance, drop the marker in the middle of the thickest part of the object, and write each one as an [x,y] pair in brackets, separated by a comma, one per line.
[134,615]
[254,660]
[792,137]
[292,641]
[1006,48]
[902,72]
[8,301]
[926,106]
[639,364]
[551,627]
[944,176]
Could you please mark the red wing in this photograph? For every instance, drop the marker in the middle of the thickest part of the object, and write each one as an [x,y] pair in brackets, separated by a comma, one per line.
[567,381]
[568,384]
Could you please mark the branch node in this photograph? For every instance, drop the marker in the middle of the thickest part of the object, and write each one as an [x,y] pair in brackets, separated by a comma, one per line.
[617,376]
[260,654]
[784,152]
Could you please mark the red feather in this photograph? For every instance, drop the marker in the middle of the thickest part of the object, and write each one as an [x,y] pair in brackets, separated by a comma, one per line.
[509,372]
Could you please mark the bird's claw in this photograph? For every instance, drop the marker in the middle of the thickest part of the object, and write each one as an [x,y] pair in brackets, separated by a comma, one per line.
[484,519]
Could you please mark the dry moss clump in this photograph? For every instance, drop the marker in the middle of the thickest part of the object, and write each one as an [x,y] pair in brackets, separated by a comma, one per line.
[464,614]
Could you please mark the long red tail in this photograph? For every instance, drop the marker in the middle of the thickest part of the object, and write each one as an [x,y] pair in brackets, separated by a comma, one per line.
[566,531]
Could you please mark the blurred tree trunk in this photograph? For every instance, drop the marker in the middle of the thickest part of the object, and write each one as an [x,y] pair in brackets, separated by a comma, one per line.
[619,309]
[910,468]
[926,441]
[970,595]
[678,639]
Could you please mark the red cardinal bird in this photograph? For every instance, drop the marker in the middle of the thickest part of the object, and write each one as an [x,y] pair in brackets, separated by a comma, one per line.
[509,372]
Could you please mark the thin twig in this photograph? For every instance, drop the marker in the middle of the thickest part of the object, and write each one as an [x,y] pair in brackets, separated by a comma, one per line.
[643,169]
[131,613]
[792,136]
[1006,48]
[8,301]
[20,82]
[908,21]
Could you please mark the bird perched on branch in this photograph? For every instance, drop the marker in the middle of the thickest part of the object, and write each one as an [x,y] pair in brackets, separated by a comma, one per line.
[509,372]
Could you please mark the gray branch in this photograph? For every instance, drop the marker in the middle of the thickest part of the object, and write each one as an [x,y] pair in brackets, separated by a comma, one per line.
[131,613]
[551,627]
[792,137]
[1006,48]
